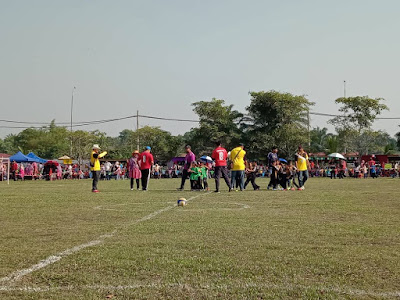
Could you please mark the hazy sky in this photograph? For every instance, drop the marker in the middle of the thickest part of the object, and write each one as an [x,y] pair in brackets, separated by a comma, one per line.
[160,56]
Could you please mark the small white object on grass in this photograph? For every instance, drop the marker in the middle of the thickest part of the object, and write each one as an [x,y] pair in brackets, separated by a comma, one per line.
[181,202]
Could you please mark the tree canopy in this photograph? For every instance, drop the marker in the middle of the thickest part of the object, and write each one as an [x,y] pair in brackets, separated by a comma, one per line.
[271,119]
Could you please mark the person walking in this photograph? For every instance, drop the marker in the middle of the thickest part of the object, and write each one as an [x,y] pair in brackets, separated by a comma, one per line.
[251,172]
[95,165]
[146,163]
[272,159]
[220,155]
[238,166]
[302,165]
[134,170]
[190,157]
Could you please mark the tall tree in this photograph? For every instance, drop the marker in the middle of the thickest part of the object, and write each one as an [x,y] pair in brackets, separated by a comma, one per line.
[318,137]
[354,126]
[276,118]
[359,112]
[217,122]
[164,145]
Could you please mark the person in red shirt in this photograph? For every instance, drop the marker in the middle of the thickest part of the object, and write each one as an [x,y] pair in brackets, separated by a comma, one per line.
[146,161]
[14,168]
[220,156]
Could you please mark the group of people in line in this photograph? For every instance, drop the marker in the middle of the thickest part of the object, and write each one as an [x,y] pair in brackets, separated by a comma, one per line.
[283,174]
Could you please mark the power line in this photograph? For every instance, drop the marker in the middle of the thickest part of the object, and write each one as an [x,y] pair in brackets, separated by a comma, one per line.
[88,123]
[166,119]
[103,121]
[331,115]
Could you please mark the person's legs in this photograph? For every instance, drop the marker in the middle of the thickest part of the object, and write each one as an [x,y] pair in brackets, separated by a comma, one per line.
[199,185]
[271,179]
[132,183]
[300,177]
[253,181]
[304,175]
[205,184]
[145,179]
[95,180]
[138,183]
[217,175]
[225,175]
[184,177]
[274,180]
[237,184]
[248,180]
[233,179]
[241,180]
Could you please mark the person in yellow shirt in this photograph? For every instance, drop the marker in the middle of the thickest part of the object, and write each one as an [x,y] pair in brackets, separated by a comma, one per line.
[302,165]
[238,166]
[95,165]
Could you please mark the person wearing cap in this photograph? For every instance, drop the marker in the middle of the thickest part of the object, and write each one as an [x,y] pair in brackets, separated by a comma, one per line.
[146,162]
[134,170]
[302,165]
[190,157]
[95,165]
[238,166]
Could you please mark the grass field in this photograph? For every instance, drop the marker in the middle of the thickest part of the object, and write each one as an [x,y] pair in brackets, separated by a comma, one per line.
[336,239]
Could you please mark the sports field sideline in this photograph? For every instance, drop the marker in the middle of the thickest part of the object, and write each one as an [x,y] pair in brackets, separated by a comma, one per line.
[336,239]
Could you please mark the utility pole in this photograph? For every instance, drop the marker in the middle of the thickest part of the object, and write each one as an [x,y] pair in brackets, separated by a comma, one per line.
[137,130]
[344,88]
[72,106]
[309,134]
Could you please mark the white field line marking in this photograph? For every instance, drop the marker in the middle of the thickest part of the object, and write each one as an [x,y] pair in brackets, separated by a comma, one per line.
[285,287]
[101,207]
[242,206]
[15,276]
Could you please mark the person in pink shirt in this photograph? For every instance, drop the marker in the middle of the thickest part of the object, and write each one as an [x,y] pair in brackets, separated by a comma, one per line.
[22,171]
[134,170]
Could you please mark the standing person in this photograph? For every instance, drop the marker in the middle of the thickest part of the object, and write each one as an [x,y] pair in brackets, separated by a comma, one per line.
[292,178]
[107,169]
[59,172]
[371,166]
[220,156]
[238,166]
[95,165]
[302,165]
[195,176]
[134,170]
[190,157]
[14,170]
[251,172]
[117,171]
[146,163]
[204,175]
[22,172]
[272,159]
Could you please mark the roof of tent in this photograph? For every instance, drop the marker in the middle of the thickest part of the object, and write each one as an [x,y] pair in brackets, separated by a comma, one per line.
[20,157]
[36,158]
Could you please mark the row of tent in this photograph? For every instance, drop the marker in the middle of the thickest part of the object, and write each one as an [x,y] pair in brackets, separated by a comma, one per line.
[30,157]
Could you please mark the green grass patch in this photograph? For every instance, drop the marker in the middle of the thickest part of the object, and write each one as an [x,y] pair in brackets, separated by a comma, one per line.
[336,239]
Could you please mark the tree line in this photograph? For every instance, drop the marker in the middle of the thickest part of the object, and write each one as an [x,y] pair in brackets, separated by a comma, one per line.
[271,119]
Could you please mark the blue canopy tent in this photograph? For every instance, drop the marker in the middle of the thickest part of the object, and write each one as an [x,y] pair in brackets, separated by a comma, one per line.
[36,158]
[20,157]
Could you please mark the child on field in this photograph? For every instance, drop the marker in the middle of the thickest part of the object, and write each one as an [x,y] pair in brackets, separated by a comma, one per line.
[291,179]
[251,171]
[204,175]
[195,177]
[283,174]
